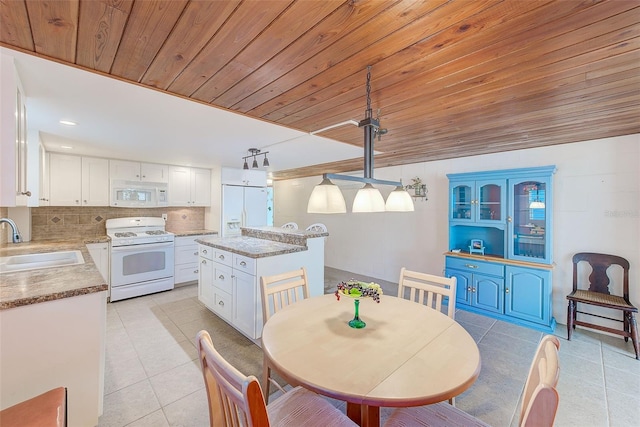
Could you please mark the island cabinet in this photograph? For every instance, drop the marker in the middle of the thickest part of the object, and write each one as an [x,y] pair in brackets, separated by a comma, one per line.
[229,278]
[500,241]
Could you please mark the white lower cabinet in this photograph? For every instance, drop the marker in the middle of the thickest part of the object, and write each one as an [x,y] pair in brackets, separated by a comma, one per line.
[230,286]
[186,259]
[100,255]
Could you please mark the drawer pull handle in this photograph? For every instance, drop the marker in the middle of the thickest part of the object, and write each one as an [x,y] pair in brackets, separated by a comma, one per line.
[506,290]
[242,263]
[221,303]
[196,271]
[221,257]
[204,261]
[221,277]
[471,266]
[195,253]
[204,251]
[470,289]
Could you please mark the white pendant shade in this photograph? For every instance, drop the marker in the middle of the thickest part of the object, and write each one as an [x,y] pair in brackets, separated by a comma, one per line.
[537,205]
[368,199]
[326,197]
[399,200]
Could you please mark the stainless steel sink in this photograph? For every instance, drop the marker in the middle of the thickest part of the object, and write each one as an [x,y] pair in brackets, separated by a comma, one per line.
[13,263]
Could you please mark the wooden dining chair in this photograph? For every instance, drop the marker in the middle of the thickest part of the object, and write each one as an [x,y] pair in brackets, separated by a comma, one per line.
[428,289]
[236,400]
[48,409]
[539,399]
[598,294]
[278,291]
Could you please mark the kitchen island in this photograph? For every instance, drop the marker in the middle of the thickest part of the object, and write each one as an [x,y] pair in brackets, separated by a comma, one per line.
[231,267]
[52,331]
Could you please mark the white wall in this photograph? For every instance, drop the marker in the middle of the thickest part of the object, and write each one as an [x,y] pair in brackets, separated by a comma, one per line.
[596,208]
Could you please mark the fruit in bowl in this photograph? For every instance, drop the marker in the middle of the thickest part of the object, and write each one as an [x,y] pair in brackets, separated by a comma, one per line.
[357,289]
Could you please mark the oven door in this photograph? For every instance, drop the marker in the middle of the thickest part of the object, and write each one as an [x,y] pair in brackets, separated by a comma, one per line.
[141,263]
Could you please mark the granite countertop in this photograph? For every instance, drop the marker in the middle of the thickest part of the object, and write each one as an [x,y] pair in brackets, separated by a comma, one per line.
[184,233]
[251,246]
[30,287]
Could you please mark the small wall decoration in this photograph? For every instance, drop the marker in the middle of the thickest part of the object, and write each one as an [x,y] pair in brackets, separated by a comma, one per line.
[476,247]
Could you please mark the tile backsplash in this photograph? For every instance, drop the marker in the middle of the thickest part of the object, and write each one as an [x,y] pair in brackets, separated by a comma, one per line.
[61,222]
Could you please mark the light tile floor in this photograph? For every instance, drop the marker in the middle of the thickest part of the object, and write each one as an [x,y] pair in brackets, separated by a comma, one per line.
[153,378]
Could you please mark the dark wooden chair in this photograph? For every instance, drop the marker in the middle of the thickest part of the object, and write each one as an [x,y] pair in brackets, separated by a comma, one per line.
[598,295]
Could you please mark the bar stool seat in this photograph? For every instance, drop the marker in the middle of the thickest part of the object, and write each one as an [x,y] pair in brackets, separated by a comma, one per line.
[46,410]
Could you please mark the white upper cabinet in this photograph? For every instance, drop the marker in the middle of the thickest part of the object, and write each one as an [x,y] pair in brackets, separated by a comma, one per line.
[136,171]
[13,137]
[78,181]
[247,177]
[189,186]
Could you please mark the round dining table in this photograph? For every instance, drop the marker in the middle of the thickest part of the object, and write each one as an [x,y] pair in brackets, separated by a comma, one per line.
[408,354]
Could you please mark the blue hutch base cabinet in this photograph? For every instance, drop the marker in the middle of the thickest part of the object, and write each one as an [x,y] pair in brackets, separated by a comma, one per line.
[506,272]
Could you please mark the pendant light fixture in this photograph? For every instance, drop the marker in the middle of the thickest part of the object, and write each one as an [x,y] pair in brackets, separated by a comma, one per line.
[327,197]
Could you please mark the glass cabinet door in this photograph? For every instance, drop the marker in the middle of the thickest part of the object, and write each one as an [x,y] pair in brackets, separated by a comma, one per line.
[461,201]
[529,220]
[490,201]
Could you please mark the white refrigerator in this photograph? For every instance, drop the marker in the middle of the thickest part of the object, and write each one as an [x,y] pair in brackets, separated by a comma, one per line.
[242,207]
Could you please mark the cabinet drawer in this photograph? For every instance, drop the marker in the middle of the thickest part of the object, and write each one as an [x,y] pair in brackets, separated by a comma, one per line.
[206,251]
[222,277]
[244,263]
[474,266]
[222,303]
[186,272]
[223,257]
[186,254]
[186,240]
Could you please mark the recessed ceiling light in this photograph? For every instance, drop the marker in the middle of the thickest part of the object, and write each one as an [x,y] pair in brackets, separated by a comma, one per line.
[68,122]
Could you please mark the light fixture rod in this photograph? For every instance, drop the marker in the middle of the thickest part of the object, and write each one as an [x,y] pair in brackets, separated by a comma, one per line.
[366,180]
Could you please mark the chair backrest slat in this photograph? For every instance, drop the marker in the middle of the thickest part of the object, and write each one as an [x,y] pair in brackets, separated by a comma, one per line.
[428,289]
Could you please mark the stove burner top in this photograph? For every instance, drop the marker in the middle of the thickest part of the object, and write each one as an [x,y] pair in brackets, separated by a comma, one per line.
[125,234]
[156,232]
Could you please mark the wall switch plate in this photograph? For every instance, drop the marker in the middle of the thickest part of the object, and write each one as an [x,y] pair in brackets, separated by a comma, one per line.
[164,216]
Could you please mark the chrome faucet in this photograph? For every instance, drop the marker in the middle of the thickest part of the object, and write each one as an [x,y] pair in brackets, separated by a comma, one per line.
[15,235]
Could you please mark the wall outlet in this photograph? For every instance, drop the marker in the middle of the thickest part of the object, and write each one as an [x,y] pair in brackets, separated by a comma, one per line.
[164,216]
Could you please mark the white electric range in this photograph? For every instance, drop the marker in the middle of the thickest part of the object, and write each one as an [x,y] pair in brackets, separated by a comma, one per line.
[142,256]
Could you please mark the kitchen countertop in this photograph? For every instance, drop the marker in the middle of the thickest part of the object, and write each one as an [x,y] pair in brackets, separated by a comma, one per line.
[192,232]
[251,246]
[30,287]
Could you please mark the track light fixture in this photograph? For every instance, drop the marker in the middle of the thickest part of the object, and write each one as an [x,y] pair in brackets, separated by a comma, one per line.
[255,152]
[327,197]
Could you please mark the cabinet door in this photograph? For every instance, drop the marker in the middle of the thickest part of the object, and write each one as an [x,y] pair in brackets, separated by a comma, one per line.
[461,196]
[528,294]
[488,293]
[245,303]
[200,187]
[151,172]
[490,201]
[463,286]
[65,180]
[123,169]
[205,282]
[179,186]
[530,220]
[100,255]
[95,182]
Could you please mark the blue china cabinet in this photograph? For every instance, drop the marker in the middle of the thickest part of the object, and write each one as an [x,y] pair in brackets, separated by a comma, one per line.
[500,244]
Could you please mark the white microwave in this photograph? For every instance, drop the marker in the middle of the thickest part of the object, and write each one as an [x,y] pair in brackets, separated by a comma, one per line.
[135,194]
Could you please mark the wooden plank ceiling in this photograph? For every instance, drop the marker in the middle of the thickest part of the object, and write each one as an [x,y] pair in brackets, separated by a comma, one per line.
[449,78]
